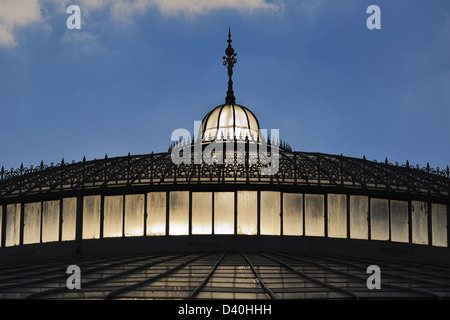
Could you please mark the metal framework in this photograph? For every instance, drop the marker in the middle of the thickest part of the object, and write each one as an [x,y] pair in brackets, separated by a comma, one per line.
[218,275]
[314,171]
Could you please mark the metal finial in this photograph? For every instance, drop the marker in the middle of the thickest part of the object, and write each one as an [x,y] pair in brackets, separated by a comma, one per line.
[229,62]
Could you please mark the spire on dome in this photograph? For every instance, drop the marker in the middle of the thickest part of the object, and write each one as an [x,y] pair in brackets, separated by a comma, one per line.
[229,62]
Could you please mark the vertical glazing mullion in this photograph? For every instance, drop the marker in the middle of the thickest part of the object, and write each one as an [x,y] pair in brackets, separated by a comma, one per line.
[41,222]
[410,222]
[167,212]
[430,225]
[61,208]
[145,214]
[281,214]
[79,219]
[123,215]
[22,223]
[3,235]
[102,215]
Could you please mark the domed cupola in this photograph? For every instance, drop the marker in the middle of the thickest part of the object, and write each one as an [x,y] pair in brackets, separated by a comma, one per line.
[229,121]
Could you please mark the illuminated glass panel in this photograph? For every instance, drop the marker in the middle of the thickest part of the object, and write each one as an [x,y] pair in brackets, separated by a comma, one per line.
[32,223]
[292,214]
[134,215]
[314,215]
[439,224]
[156,210]
[113,216]
[12,225]
[270,213]
[399,221]
[179,213]
[202,213]
[419,217]
[379,219]
[337,216]
[91,217]
[359,213]
[224,212]
[247,212]
[69,219]
[50,221]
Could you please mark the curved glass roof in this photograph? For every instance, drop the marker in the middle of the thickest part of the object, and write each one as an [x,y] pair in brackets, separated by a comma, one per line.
[229,121]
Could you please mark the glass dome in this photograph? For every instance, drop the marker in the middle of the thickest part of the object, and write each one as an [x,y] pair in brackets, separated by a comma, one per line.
[229,121]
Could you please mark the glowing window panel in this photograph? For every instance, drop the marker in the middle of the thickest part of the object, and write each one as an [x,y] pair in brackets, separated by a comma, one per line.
[50,221]
[69,219]
[399,221]
[32,223]
[292,214]
[134,215]
[202,213]
[179,213]
[224,212]
[359,213]
[379,219]
[247,212]
[337,216]
[156,211]
[270,213]
[91,217]
[12,225]
[113,216]
[314,215]
[419,217]
[439,224]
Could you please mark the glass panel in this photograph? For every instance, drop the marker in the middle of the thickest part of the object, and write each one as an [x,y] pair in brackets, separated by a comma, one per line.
[156,210]
[202,213]
[419,217]
[179,213]
[399,221]
[337,216]
[224,212]
[134,215]
[247,212]
[314,215]
[270,213]
[359,212]
[12,225]
[50,221]
[379,219]
[212,120]
[91,217]
[292,214]
[439,224]
[113,216]
[226,117]
[69,217]
[32,223]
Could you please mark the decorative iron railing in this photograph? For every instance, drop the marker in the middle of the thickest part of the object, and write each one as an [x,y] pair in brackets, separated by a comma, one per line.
[294,168]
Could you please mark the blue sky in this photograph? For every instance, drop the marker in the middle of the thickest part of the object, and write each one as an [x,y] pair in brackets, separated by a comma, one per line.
[137,70]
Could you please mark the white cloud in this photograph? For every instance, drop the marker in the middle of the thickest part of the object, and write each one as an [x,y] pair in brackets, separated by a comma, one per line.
[14,15]
[193,7]
[123,10]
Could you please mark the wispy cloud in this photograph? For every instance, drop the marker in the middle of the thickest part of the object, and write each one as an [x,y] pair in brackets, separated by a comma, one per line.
[15,15]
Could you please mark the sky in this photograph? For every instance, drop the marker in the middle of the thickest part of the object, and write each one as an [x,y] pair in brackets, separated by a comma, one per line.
[139,69]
